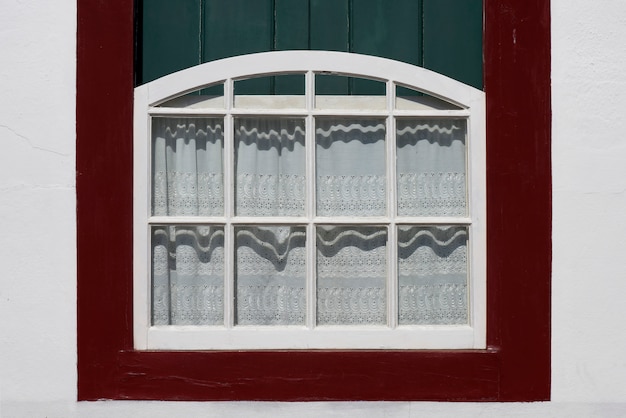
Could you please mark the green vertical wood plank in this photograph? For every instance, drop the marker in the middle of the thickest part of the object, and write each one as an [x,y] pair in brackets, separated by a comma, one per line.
[384,28]
[239,27]
[329,25]
[453,39]
[292,24]
[390,29]
[291,31]
[169,33]
[330,31]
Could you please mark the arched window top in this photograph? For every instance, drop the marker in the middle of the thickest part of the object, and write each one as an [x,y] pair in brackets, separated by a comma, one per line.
[312,62]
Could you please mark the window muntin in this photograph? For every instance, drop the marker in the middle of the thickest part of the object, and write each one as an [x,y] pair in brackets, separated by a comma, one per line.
[410,213]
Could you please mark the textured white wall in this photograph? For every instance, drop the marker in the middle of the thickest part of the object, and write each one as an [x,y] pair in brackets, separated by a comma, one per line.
[37,200]
[589,183]
[37,227]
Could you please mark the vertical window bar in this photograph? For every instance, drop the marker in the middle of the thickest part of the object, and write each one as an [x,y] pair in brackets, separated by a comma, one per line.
[148,230]
[471,307]
[469,295]
[229,245]
[468,167]
[391,152]
[392,241]
[311,297]
[148,173]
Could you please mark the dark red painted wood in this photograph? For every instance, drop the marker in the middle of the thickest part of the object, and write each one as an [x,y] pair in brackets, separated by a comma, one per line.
[104,191]
[302,376]
[517,84]
[516,368]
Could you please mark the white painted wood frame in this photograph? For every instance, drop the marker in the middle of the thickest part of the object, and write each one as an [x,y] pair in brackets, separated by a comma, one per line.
[466,103]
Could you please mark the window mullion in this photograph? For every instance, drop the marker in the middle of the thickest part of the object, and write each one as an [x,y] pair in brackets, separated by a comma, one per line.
[229,244]
[311,296]
[392,242]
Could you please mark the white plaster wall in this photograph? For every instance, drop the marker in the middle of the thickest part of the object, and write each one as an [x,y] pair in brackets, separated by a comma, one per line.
[589,183]
[37,228]
[37,200]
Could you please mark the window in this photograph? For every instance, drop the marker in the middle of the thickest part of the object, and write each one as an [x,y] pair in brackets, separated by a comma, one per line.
[310,220]
[515,366]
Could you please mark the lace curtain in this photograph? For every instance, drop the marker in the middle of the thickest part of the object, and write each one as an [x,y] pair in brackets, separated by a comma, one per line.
[270,261]
[269,166]
[431,167]
[350,166]
[187,169]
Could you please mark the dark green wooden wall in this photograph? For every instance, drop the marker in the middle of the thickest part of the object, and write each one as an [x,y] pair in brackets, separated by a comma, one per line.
[441,35]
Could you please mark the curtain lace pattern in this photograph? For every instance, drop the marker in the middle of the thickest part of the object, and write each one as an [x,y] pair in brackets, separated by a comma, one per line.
[271,275]
[350,165]
[431,167]
[188,275]
[270,164]
[432,270]
[351,271]
[187,170]
[351,262]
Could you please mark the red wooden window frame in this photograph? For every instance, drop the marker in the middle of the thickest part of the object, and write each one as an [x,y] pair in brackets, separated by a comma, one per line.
[514,367]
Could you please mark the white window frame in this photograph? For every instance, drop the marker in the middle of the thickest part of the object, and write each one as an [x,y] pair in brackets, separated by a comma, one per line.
[471,106]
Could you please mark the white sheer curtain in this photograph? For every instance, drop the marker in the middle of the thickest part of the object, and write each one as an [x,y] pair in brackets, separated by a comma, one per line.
[187,261]
[270,275]
[187,167]
[432,275]
[431,167]
[351,275]
[187,275]
[270,260]
[432,261]
[350,166]
[270,167]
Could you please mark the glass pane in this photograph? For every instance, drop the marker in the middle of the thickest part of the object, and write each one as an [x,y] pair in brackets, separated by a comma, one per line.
[270,167]
[211,97]
[351,271]
[340,92]
[272,92]
[271,275]
[409,99]
[431,167]
[187,171]
[432,272]
[350,167]
[187,275]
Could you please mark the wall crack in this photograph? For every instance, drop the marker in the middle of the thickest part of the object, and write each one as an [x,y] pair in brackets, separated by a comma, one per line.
[30,143]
